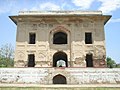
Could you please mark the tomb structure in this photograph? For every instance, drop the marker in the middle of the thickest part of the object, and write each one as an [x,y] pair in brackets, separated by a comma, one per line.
[60,47]
[60,39]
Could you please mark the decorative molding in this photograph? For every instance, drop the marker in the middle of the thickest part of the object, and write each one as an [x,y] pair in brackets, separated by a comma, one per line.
[41,57]
[21,55]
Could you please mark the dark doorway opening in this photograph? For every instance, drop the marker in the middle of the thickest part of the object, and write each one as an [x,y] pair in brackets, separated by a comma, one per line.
[59,79]
[60,56]
[60,38]
[31,60]
[89,60]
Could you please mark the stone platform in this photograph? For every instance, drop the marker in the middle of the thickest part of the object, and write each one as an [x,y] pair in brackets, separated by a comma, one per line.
[74,76]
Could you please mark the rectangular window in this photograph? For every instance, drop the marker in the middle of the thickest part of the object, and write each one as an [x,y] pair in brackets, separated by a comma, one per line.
[88,38]
[32,37]
[31,60]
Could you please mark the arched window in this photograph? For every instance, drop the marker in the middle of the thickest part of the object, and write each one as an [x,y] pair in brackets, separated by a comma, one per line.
[59,79]
[60,38]
[89,60]
[60,60]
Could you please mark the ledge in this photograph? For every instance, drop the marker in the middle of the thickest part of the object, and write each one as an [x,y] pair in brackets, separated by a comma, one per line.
[77,12]
[52,86]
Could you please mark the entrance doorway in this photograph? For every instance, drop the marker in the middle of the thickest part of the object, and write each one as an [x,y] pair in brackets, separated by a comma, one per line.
[60,60]
[89,60]
[59,79]
[31,60]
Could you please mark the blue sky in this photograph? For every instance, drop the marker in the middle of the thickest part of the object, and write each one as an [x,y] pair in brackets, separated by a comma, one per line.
[108,7]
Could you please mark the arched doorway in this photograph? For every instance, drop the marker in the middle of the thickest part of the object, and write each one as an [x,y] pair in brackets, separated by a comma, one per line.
[60,38]
[89,60]
[59,79]
[60,58]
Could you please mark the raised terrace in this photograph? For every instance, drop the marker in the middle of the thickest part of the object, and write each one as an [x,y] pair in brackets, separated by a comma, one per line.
[70,76]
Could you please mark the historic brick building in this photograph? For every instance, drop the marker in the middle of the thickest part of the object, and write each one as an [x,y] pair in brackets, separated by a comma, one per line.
[60,39]
[58,43]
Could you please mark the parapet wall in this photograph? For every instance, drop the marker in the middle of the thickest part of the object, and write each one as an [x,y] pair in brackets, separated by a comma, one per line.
[74,76]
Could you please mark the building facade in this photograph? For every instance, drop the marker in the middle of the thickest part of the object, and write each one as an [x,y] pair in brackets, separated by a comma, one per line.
[58,43]
[60,39]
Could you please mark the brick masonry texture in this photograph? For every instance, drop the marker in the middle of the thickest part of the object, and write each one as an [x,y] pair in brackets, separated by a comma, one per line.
[74,76]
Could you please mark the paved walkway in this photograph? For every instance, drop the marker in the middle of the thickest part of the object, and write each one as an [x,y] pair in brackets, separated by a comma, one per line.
[38,85]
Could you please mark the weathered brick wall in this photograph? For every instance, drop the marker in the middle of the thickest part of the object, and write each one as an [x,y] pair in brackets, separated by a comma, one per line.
[73,75]
[74,26]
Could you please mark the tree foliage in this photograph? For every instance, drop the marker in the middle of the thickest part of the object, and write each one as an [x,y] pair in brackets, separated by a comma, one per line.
[110,63]
[6,55]
[117,65]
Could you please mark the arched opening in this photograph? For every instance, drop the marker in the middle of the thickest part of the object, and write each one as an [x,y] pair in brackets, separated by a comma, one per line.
[89,60]
[60,60]
[60,38]
[61,63]
[59,79]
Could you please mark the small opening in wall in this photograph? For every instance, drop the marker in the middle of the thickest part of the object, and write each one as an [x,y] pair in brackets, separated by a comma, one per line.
[88,38]
[89,60]
[31,60]
[32,37]
[59,79]
[61,63]
[60,38]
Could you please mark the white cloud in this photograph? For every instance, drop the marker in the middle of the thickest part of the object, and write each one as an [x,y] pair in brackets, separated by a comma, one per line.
[67,6]
[115,20]
[45,6]
[83,4]
[6,6]
[108,6]
[34,8]
[13,6]
[49,6]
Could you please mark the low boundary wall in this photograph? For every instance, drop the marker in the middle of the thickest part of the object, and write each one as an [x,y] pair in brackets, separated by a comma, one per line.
[74,76]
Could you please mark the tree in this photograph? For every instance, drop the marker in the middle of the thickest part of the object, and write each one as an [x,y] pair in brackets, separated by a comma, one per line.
[110,63]
[6,55]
